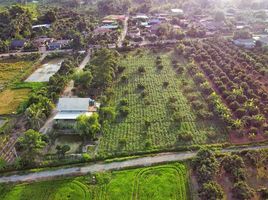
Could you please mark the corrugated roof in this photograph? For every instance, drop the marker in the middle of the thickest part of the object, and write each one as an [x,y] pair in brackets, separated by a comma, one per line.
[71,115]
[73,104]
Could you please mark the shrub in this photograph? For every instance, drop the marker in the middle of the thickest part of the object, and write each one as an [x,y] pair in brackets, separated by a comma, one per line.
[165,84]
[242,191]
[144,94]
[160,67]
[140,86]
[124,102]
[120,69]
[124,111]
[124,79]
[211,191]
[180,70]
[185,136]
[122,142]
[141,69]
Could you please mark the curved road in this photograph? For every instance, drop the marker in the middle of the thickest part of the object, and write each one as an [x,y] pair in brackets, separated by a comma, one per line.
[99,167]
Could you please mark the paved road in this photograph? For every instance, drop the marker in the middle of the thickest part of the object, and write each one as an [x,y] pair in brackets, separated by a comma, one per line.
[86,60]
[27,53]
[124,32]
[99,167]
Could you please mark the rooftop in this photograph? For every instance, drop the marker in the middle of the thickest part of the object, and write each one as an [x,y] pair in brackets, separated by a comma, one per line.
[73,104]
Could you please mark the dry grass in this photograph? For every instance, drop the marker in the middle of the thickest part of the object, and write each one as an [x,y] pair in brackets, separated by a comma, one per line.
[11,99]
[11,70]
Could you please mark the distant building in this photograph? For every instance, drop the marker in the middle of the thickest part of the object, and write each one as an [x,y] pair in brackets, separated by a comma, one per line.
[262,39]
[17,44]
[177,12]
[41,26]
[42,41]
[71,108]
[246,43]
[59,44]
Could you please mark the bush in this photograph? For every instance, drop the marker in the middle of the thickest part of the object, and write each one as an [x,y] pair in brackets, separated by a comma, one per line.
[211,191]
[185,136]
[160,67]
[124,111]
[165,84]
[141,70]
[124,102]
[124,79]
[242,191]
[141,86]
[120,69]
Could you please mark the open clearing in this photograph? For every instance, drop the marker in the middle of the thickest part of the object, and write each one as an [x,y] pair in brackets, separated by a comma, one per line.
[11,99]
[47,70]
[74,141]
[159,182]
[129,135]
[12,69]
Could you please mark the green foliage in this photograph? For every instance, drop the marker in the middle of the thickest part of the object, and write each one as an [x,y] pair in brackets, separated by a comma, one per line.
[158,182]
[62,150]
[88,126]
[16,23]
[83,79]
[206,165]
[104,65]
[211,191]
[107,113]
[157,106]
[242,191]
[30,145]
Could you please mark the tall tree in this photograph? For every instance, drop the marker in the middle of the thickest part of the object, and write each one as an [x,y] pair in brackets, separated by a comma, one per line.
[31,144]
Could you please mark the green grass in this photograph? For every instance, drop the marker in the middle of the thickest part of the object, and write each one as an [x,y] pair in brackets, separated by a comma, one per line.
[163,132]
[158,183]
[13,70]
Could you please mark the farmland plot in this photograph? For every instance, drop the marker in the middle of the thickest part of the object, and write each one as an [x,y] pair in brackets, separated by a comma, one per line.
[158,182]
[11,70]
[129,135]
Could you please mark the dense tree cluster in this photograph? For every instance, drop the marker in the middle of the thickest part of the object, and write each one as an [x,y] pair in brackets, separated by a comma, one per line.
[206,167]
[15,22]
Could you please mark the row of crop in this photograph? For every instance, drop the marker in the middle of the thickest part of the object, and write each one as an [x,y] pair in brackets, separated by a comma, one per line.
[248,109]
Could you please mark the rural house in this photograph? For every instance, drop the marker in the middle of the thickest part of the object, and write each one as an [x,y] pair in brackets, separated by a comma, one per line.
[71,108]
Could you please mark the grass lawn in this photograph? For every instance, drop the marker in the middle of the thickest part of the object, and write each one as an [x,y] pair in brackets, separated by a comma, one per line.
[158,183]
[129,135]
[11,99]
[12,70]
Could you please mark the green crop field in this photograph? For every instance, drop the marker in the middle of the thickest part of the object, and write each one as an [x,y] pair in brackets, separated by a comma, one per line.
[159,183]
[129,135]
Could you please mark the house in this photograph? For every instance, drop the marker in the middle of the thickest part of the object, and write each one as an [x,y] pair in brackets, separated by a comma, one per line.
[42,41]
[17,44]
[133,33]
[110,26]
[71,108]
[262,39]
[176,12]
[246,43]
[41,26]
[59,44]
[141,17]
[115,18]
[101,31]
